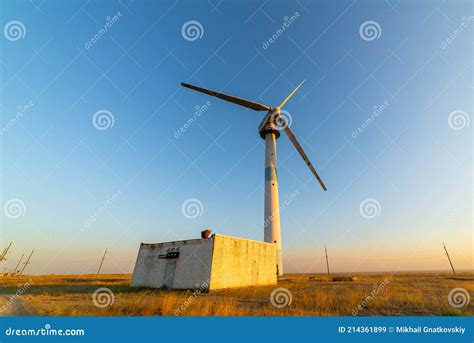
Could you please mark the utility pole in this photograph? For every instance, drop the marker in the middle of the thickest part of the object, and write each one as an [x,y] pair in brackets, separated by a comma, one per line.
[449,258]
[102,262]
[26,263]
[4,253]
[16,268]
[327,262]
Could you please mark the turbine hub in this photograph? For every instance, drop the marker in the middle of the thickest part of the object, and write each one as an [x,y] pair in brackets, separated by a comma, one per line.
[270,124]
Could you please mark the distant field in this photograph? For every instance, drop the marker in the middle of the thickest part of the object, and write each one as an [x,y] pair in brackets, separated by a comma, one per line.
[402,294]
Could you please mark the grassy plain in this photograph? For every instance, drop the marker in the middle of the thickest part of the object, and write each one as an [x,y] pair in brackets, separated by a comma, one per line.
[399,294]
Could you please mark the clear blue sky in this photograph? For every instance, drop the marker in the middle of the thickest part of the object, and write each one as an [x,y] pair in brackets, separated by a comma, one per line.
[408,158]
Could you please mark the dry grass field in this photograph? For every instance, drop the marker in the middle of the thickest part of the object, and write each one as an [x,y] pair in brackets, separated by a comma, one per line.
[400,294]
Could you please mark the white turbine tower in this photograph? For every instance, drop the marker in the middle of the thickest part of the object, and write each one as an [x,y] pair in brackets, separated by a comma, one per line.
[269,131]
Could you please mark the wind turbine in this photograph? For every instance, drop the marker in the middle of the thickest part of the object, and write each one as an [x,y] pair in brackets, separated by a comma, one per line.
[269,131]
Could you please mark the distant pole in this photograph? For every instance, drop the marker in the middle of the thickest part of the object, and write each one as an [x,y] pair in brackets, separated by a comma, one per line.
[449,259]
[102,262]
[4,253]
[26,263]
[16,268]
[327,261]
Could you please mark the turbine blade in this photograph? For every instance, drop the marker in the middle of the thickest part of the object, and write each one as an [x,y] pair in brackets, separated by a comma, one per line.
[239,101]
[291,94]
[298,147]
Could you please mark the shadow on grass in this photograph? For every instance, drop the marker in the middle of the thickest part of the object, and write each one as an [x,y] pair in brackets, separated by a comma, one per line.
[455,312]
[460,278]
[76,288]
[70,289]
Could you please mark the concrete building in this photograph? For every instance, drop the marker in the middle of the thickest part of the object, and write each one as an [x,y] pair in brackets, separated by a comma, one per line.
[207,263]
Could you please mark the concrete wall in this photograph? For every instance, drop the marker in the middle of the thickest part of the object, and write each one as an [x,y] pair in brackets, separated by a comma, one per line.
[240,262]
[215,263]
[190,270]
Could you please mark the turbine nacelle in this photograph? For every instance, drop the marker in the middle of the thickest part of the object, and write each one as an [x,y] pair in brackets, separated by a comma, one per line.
[270,123]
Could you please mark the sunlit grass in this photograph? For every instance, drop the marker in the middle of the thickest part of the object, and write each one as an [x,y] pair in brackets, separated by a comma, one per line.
[312,295]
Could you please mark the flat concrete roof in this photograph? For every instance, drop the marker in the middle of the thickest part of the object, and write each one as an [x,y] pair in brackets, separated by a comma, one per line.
[200,240]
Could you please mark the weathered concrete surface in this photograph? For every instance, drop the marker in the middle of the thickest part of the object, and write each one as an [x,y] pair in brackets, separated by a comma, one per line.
[213,263]
[190,270]
[240,262]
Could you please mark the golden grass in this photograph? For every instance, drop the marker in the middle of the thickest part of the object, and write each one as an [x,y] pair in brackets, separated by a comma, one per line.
[312,295]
